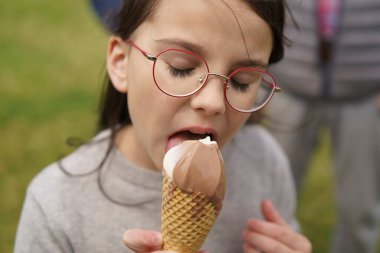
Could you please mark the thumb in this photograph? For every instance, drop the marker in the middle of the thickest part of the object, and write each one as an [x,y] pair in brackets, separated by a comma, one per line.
[140,240]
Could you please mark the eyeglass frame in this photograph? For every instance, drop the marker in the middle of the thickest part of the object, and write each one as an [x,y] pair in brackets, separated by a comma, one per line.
[153,58]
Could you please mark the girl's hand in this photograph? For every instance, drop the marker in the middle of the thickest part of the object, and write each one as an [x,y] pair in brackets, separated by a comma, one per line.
[144,241]
[273,235]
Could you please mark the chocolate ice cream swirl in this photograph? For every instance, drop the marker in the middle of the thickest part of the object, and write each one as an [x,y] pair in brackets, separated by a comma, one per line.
[197,166]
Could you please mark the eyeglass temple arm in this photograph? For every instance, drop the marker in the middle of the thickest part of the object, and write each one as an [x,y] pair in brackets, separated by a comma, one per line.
[145,53]
[276,88]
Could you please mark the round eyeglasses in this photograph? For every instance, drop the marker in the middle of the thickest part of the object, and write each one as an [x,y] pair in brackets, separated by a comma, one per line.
[180,73]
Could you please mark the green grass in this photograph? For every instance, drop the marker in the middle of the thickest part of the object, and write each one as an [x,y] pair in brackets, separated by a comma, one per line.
[51,66]
[316,209]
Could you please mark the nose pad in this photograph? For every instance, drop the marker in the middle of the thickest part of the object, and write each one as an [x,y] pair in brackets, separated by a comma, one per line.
[201,80]
[211,97]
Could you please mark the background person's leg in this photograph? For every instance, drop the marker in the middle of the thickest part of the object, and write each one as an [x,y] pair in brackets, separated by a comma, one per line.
[356,128]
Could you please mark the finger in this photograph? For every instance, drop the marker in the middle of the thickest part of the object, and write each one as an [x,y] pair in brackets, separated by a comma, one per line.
[166,251]
[282,234]
[142,241]
[265,244]
[202,251]
[247,248]
[275,231]
[271,214]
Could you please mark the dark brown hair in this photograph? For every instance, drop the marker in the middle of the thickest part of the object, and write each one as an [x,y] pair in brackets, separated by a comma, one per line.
[113,105]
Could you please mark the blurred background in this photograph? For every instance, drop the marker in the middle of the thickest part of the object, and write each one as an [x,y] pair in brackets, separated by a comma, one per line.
[51,69]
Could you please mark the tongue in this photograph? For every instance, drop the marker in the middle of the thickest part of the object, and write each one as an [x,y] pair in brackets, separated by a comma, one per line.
[180,137]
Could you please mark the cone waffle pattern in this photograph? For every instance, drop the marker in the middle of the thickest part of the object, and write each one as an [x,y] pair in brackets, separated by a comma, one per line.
[186,218]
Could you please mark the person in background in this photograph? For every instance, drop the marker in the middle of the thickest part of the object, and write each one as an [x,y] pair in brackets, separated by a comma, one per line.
[105,10]
[330,78]
[217,52]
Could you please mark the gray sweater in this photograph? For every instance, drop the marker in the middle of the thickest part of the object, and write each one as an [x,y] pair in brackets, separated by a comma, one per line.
[355,68]
[65,213]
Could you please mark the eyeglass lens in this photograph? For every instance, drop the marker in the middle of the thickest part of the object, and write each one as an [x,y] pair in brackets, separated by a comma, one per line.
[178,73]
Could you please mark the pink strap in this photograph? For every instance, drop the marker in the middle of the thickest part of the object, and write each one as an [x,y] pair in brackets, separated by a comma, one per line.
[328,17]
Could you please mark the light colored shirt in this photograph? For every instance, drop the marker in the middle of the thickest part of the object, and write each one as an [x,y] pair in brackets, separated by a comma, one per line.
[69,214]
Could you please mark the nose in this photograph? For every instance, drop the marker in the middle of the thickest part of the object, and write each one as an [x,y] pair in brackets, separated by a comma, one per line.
[210,98]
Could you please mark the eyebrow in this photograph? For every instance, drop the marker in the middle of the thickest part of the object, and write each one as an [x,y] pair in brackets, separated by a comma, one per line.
[182,43]
[249,63]
[252,63]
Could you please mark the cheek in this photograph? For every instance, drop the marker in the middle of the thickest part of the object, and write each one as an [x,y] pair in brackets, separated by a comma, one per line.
[142,100]
[140,86]
[144,96]
[148,106]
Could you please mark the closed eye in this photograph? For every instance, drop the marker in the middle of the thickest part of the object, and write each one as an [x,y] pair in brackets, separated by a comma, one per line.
[243,87]
[180,72]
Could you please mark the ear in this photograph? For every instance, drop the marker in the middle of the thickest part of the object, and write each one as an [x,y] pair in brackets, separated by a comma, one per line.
[117,56]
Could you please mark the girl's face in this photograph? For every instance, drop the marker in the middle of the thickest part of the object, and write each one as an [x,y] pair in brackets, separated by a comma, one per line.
[208,28]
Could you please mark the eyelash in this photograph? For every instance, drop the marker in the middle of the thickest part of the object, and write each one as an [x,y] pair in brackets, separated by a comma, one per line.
[188,72]
[239,86]
[180,72]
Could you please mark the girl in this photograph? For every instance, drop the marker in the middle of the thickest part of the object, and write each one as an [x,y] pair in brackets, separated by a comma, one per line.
[177,70]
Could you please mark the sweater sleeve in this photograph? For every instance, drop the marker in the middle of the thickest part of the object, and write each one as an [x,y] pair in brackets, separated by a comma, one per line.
[35,233]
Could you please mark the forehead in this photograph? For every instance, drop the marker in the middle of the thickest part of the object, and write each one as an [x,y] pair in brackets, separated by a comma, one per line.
[220,24]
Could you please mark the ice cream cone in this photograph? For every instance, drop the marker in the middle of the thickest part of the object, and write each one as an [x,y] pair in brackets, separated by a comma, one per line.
[186,218]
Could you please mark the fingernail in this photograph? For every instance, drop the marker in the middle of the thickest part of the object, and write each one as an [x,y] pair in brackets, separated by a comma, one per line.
[126,236]
[157,238]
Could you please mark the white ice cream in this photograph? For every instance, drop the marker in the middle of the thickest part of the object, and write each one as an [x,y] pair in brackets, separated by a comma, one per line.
[174,154]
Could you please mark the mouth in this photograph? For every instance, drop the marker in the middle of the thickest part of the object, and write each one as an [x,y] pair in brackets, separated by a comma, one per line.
[185,135]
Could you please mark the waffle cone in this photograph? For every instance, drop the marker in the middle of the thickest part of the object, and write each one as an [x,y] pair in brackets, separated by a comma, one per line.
[186,218]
